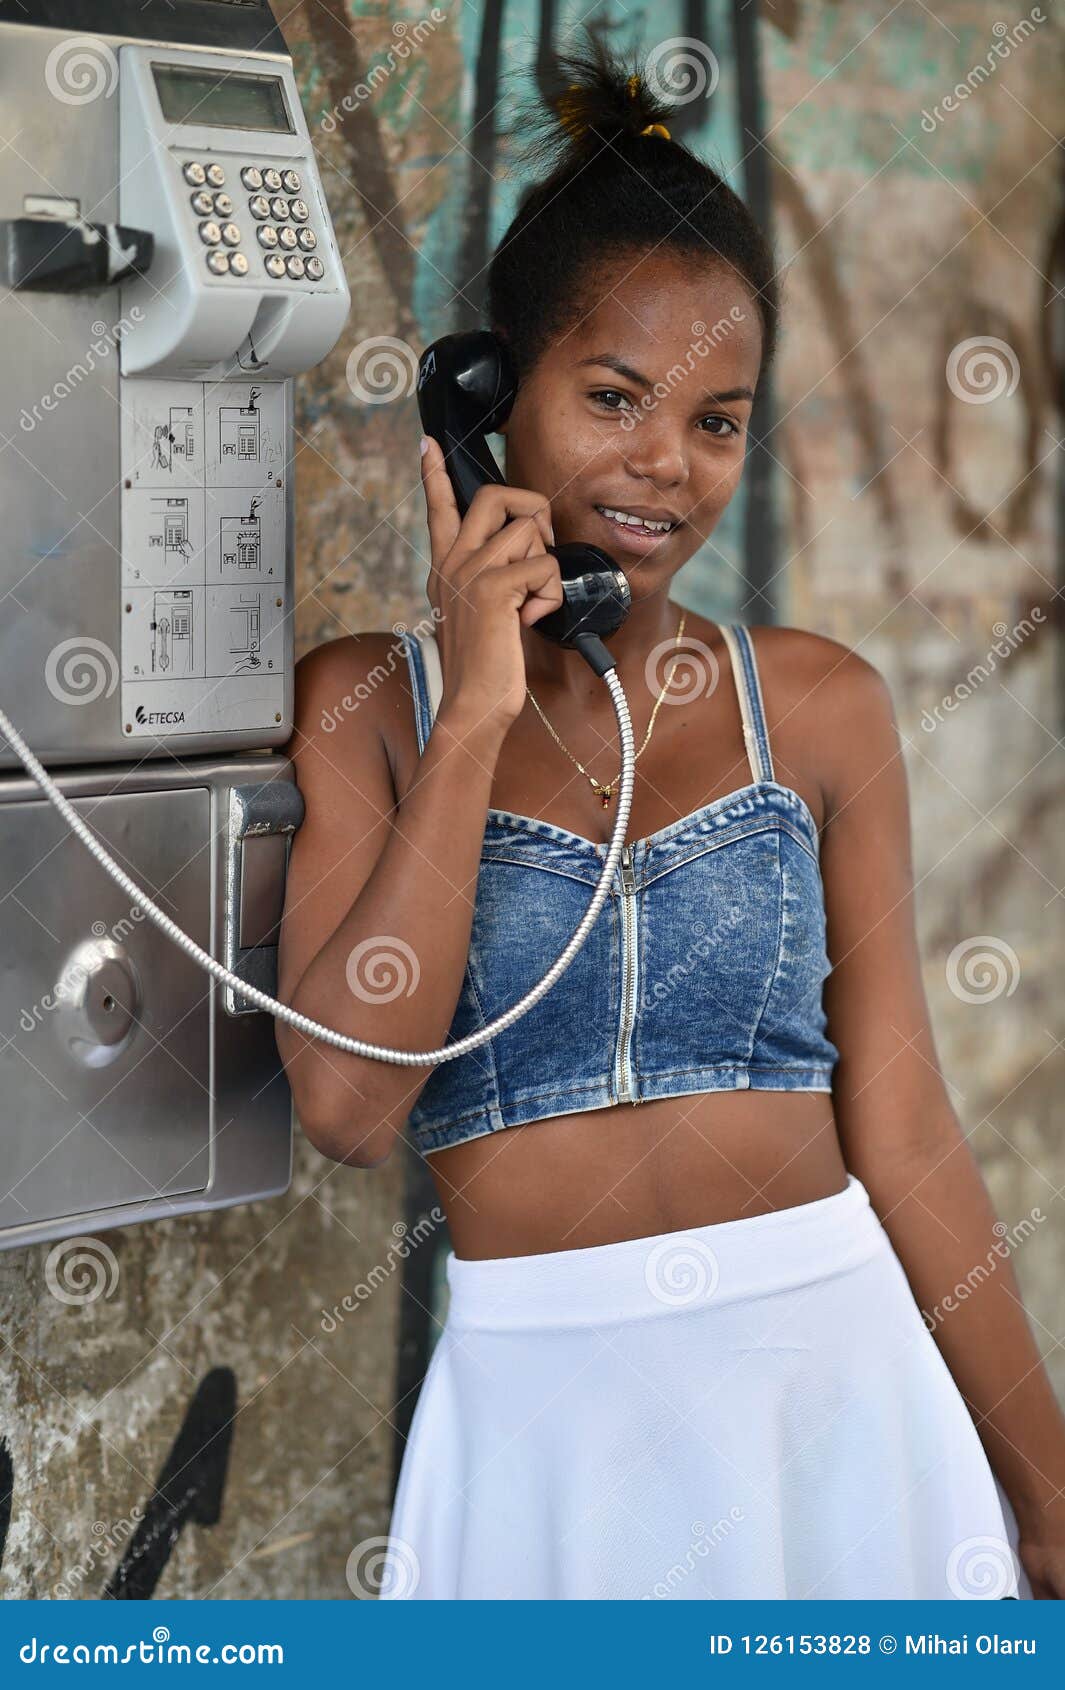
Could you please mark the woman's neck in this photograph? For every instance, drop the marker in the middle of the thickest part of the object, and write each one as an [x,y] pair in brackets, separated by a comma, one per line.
[552,670]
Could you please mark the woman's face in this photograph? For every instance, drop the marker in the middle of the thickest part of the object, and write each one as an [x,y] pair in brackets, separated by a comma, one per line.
[641,409]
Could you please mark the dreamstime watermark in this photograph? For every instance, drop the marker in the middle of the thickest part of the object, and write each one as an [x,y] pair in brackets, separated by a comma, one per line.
[380,369]
[983,369]
[105,338]
[405,1240]
[1006,641]
[408,37]
[1006,39]
[81,670]
[81,69]
[159,1649]
[383,1566]
[695,656]
[106,1540]
[704,340]
[680,1270]
[70,983]
[681,70]
[702,1542]
[983,968]
[1007,1239]
[79,1270]
[104,946]
[350,702]
[679,973]
[382,968]
[982,1567]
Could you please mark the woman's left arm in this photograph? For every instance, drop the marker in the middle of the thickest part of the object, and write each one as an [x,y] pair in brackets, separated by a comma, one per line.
[898,1129]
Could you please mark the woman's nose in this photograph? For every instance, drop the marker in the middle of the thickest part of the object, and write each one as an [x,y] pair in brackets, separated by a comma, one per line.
[657,454]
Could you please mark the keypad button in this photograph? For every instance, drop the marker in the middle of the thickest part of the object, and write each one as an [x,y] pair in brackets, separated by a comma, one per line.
[202,203]
[195,174]
[223,205]
[315,269]
[279,209]
[231,234]
[216,176]
[288,237]
[295,265]
[308,240]
[252,177]
[272,179]
[210,233]
[290,182]
[275,264]
[300,210]
[267,235]
[259,206]
[218,262]
[238,263]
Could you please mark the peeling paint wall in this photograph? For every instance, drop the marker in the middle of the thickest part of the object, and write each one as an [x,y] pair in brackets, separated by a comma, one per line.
[917,187]
[212,1418]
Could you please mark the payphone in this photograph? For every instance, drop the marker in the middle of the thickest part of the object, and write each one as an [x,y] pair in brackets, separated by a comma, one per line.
[168,265]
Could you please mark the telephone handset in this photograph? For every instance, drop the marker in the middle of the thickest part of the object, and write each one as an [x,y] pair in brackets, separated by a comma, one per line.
[466,387]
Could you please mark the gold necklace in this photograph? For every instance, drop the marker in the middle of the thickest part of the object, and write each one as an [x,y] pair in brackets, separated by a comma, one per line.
[606,793]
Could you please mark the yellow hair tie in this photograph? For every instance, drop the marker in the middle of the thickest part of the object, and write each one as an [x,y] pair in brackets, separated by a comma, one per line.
[566,115]
[569,120]
[633,86]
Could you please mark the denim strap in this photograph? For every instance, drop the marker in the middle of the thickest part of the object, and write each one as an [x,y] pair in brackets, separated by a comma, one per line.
[417,662]
[749,690]
[423,659]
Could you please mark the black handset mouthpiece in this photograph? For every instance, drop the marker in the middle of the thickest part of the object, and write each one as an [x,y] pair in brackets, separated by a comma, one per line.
[466,387]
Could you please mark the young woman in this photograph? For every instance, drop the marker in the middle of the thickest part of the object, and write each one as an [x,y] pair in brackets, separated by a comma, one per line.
[709,1202]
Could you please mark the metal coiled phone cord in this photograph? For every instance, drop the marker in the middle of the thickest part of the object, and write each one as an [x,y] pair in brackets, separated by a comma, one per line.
[341,1041]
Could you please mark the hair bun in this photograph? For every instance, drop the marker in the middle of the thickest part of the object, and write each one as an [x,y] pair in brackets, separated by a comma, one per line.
[586,128]
[603,101]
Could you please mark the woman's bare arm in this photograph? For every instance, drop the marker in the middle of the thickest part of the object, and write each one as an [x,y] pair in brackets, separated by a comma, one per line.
[379,897]
[898,1128]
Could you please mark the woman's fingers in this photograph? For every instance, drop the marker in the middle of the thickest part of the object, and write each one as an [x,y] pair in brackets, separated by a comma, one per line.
[495,504]
[441,510]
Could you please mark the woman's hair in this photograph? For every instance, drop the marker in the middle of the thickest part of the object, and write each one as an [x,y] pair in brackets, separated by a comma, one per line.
[609,191]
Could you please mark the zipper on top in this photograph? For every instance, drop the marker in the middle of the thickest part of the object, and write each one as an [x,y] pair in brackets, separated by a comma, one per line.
[622,1056]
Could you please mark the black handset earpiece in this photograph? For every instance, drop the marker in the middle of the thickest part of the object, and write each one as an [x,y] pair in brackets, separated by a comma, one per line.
[466,387]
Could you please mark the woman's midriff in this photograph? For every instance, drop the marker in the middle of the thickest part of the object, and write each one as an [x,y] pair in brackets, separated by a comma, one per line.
[633,1171]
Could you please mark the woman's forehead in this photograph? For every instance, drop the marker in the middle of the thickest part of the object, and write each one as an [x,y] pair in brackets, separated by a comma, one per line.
[647,325]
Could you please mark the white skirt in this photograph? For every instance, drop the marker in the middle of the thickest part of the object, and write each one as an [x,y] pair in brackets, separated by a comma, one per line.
[750,1409]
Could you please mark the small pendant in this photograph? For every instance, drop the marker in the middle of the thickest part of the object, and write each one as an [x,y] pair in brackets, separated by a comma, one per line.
[605,795]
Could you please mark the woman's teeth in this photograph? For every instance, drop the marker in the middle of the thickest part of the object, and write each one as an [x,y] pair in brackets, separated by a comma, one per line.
[642,525]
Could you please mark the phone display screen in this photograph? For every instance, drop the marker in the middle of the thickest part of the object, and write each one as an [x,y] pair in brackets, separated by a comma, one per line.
[222,99]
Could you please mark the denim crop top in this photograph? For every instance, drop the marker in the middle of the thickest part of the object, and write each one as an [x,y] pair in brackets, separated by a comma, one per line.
[703,971]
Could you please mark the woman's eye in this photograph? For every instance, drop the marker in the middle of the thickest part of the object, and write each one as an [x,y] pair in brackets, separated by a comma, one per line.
[612,400]
[729,425]
[602,394]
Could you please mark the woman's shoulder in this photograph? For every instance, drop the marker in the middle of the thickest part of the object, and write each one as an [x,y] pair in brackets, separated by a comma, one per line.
[829,711]
[351,677]
[801,666]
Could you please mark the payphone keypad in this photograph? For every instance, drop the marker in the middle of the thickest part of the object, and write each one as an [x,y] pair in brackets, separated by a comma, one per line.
[280,216]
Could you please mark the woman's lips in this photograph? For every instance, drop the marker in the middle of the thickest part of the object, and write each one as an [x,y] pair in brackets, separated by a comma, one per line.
[625,539]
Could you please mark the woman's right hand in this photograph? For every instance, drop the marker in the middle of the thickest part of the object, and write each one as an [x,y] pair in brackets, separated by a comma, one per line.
[490,574]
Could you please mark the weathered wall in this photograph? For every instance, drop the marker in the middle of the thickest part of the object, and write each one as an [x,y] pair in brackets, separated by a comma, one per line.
[892,507]
[920,418]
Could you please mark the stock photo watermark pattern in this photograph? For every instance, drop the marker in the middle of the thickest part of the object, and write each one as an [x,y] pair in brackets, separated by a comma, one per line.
[228,1327]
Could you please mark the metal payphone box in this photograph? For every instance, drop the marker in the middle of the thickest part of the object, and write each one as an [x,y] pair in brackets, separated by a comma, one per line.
[167,264]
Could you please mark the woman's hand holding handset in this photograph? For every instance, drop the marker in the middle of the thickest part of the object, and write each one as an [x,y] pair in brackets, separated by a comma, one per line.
[490,574]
